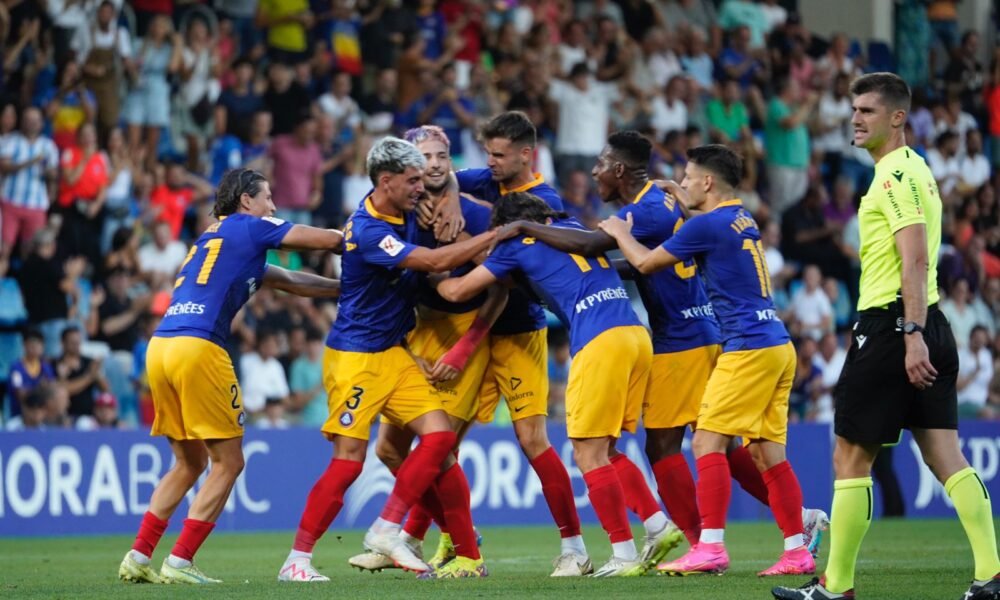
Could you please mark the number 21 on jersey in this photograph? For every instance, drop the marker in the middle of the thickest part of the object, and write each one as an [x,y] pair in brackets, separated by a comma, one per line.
[212,248]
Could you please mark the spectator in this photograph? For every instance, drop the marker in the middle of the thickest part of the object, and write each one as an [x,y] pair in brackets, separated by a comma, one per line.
[737,62]
[28,372]
[836,61]
[580,100]
[237,104]
[833,126]
[448,108]
[147,105]
[975,371]
[263,378]
[580,201]
[974,168]
[105,414]
[119,200]
[964,76]
[697,62]
[297,172]
[800,65]
[57,405]
[961,314]
[781,272]
[337,144]
[69,106]
[13,315]
[308,395]
[171,199]
[811,308]
[953,118]
[380,106]
[657,63]
[830,361]
[28,163]
[843,307]
[339,105]
[285,99]
[199,91]
[559,360]
[81,375]
[288,23]
[104,51]
[993,109]
[339,43]
[82,194]
[840,210]
[255,150]
[944,162]
[748,14]
[807,386]
[787,145]
[727,115]
[808,238]
[33,415]
[611,51]
[47,284]
[670,113]
[119,315]
[575,46]
[161,258]
[273,416]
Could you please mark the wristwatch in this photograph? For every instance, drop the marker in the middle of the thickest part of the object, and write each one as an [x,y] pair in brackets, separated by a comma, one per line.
[911,327]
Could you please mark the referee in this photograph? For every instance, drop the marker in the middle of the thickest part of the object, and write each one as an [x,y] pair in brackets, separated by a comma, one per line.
[902,367]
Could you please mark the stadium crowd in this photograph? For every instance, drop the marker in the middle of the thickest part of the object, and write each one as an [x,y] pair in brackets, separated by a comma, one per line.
[118,119]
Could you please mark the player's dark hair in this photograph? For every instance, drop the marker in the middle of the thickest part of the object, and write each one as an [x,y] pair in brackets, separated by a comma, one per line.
[889,86]
[720,160]
[522,206]
[234,184]
[631,148]
[512,125]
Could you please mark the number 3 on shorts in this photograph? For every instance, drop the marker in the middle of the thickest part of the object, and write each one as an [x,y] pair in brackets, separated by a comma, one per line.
[355,400]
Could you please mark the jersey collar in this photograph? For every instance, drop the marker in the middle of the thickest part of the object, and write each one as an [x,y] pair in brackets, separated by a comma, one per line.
[733,202]
[370,207]
[642,192]
[895,153]
[538,180]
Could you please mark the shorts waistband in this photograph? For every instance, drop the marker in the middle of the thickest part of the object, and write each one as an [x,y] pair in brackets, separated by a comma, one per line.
[891,311]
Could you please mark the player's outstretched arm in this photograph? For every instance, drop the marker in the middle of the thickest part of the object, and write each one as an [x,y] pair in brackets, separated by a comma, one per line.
[447,257]
[564,239]
[301,283]
[646,261]
[454,360]
[305,237]
[466,287]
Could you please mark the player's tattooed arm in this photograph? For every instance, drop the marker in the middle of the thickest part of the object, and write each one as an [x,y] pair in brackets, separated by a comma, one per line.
[564,239]
[646,261]
[454,360]
[304,237]
[301,283]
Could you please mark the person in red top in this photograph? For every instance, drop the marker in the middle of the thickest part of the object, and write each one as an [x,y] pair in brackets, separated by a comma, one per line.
[82,188]
[993,109]
[179,190]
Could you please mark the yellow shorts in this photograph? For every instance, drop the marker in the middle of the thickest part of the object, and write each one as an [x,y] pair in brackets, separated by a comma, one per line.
[195,392]
[608,380]
[677,385]
[360,385]
[431,338]
[747,394]
[518,370]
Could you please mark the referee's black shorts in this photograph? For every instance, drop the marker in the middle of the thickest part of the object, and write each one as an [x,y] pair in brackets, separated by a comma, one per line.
[874,398]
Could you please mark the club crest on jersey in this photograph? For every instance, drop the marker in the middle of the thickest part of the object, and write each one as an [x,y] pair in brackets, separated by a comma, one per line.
[346,418]
[391,245]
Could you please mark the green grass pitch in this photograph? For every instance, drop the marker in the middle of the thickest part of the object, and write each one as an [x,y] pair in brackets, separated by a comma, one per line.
[901,560]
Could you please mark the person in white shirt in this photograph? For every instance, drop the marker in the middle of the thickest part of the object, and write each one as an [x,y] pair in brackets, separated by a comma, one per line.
[944,163]
[338,104]
[160,259]
[975,371]
[670,113]
[834,121]
[104,51]
[262,376]
[811,309]
[584,112]
[575,46]
[657,63]
[974,168]
[830,361]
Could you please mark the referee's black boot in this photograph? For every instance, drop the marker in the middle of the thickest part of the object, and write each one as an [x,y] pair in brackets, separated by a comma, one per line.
[813,590]
[979,590]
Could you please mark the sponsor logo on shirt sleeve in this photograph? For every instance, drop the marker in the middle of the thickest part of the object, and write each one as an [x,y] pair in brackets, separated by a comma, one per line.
[274,220]
[391,245]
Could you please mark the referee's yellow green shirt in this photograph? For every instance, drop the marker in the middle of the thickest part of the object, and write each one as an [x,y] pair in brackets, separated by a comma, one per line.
[903,193]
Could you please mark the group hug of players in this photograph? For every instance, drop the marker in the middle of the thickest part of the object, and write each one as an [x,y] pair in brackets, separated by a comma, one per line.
[439,317]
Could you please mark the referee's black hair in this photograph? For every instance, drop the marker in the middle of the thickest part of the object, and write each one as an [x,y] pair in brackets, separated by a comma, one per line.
[631,148]
[234,184]
[720,160]
[889,86]
[522,206]
[512,125]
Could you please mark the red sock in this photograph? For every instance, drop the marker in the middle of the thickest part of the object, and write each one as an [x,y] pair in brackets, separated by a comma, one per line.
[150,531]
[746,473]
[608,498]
[638,498]
[676,487]
[324,502]
[786,497]
[558,492]
[417,473]
[453,490]
[419,520]
[192,536]
[714,489]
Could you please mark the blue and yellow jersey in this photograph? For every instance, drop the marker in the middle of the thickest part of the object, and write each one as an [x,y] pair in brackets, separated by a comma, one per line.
[680,314]
[585,293]
[726,245]
[377,297]
[223,268]
[477,220]
[522,314]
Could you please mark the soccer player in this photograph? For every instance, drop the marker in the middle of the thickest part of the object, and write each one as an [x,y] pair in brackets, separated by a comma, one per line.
[902,367]
[368,371]
[685,333]
[447,339]
[195,392]
[747,392]
[604,394]
[518,368]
